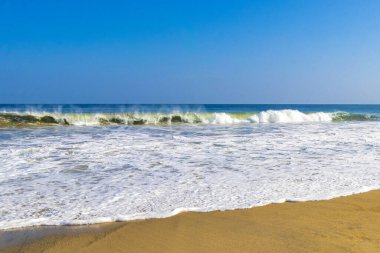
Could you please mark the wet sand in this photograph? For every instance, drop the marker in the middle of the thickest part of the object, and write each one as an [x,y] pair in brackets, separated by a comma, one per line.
[345,224]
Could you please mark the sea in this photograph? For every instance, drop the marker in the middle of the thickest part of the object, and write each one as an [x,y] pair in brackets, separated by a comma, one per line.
[93,163]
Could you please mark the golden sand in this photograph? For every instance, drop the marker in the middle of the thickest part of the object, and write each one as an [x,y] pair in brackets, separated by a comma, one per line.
[346,224]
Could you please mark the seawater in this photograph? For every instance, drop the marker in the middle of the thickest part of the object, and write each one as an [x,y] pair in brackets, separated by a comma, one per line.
[237,156]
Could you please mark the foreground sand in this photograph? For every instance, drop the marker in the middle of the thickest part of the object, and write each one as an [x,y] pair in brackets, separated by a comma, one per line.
[346,224]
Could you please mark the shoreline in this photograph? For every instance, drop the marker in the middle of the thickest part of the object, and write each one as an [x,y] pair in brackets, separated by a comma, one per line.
[344,224]
[103,221]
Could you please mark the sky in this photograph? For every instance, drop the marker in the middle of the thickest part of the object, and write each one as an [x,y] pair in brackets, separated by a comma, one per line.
[133,52]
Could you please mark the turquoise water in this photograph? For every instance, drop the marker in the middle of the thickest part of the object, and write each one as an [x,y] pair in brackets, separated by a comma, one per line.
[24,115]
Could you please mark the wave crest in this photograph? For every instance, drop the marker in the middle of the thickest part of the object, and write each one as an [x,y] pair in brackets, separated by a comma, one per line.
[11,119]
[289,116]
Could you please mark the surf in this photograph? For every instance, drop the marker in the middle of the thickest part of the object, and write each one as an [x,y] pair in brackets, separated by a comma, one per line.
[14,119]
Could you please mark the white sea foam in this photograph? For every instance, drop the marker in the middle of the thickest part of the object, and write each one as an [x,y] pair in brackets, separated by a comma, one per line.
[223,118]
[81,175]
[289,116]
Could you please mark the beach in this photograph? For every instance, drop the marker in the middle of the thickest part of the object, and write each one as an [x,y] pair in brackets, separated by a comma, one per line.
[344,224]
[222,178]
[190,126]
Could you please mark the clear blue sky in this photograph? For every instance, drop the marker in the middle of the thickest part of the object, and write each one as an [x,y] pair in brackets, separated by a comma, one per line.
[295,51]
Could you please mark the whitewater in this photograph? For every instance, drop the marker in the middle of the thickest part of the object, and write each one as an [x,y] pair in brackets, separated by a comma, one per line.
[16,119]
[88,172]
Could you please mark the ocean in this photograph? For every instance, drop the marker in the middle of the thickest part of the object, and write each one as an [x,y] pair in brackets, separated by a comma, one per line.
[84,164]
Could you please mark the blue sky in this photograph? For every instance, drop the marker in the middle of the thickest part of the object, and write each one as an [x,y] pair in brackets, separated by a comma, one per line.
[295,51]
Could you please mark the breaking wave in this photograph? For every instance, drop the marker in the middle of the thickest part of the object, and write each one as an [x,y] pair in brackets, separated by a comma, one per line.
[9,119]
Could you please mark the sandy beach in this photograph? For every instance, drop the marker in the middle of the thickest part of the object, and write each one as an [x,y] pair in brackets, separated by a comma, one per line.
[190,126]
[345,224]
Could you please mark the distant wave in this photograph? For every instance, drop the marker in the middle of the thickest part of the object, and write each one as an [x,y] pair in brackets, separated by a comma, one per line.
[11,119]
